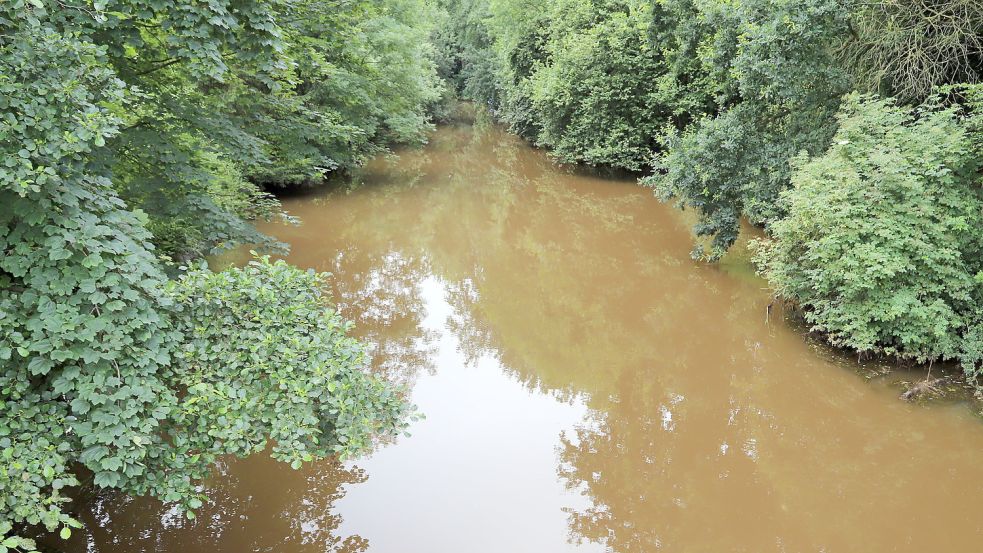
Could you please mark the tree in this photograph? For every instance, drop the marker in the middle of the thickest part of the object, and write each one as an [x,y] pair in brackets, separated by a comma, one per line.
[909,48]
[735,162]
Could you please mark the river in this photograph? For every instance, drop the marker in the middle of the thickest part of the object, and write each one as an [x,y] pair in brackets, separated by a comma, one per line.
[585,385]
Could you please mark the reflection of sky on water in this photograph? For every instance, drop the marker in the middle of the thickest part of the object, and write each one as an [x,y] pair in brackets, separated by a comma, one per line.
[481,466]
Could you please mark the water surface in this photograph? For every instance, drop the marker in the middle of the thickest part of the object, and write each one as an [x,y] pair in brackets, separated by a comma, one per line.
[586,386]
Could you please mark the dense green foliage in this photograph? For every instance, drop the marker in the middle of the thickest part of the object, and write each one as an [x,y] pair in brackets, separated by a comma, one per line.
[583,79]
[600,78]
[131,129]
[212,102]
[882,243]
[736,161]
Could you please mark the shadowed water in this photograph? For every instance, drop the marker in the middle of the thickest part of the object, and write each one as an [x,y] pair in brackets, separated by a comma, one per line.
[586,386]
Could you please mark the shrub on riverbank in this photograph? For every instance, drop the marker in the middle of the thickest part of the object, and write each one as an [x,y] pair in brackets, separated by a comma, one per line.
[882,246]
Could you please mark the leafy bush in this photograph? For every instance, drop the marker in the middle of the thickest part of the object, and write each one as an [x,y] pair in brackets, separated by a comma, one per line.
[261,357]
[147,394]
[105,363]
[735,163]
[882,245]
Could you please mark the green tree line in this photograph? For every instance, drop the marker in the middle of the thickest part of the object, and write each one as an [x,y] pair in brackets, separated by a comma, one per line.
[138,136]
[851,131]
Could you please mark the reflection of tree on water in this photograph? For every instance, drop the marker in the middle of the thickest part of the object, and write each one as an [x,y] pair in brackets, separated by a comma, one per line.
[532,256]
[253,507]
[385,304]
[654,481]
[760,450]
[475,338]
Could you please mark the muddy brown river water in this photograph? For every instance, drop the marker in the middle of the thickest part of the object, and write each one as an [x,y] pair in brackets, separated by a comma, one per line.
[587,387]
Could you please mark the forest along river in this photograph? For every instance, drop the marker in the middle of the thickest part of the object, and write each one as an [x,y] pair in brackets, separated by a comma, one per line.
[586,386]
